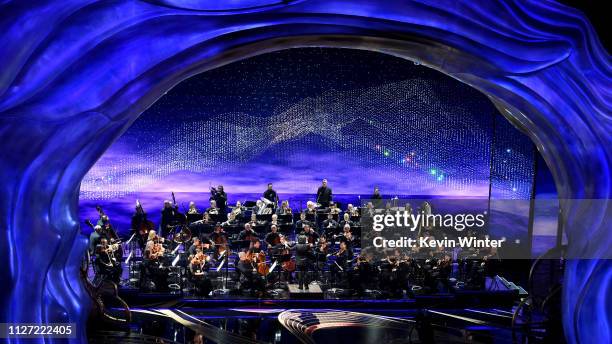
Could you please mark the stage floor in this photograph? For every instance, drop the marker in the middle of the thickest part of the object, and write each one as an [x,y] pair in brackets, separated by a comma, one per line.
[314,324]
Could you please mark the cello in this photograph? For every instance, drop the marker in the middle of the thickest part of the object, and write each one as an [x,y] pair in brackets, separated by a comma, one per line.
[262,267]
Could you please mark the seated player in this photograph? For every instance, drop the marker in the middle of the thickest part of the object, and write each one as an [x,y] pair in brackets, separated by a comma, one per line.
[248,233]
[249,278]
[198,268]
[329,226]
[311,236]
[272,238]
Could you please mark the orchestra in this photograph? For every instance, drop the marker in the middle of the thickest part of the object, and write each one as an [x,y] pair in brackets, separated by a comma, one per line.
[259,235]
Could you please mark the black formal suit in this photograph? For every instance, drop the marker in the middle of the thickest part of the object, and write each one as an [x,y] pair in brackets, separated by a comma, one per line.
[304,256]
[271,196]
[324,196]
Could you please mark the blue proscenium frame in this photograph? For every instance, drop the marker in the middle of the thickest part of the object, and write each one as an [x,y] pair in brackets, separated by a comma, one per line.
[75,74]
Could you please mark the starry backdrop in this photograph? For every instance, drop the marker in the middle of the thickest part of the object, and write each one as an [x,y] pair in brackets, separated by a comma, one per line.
[360,119]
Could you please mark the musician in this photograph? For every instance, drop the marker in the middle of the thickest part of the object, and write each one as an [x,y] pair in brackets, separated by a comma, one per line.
[192,208]
[370,209]
[138,218]
[271,195]
[213,209]
[299,225]
[352,211]
[304,257]
[376,197]
[329,225]
[217,234]
[206,220]
[154,269]
[107,229]
[362,274]
[108,266]
[219,238]
[274,221]
[140,224]
[272,238]
[256,223]
[321,251]
[152,239]
[103,219]
[247,233]
[408,208]
[284,209]
[197,244]
[343,257]
[237,211]
[255,247]
[249,278]
[279,247]
[390,276]
[94,238]
[231,220]
[168,217]
[287,264]
[311,208]
[324,194]
[220,198]
[348,237]
[261,208]
[333,209]
[346,220]
[198,268]
[310,234]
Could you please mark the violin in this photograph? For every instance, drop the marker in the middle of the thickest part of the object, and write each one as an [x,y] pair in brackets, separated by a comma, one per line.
[198,261]
[157,251]
[338,253]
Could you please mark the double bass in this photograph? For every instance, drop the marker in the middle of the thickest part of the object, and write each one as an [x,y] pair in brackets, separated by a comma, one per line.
[106,227]
[144,226]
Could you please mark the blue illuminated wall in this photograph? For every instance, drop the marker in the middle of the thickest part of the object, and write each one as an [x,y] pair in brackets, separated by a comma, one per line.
[360,119]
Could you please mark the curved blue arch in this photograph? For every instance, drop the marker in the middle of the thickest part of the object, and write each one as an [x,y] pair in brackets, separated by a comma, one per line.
[76,74]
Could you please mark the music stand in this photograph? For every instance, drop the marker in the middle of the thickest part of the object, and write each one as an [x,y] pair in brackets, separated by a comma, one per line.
[193,217]
[285,218]
[264,217]
[225,262]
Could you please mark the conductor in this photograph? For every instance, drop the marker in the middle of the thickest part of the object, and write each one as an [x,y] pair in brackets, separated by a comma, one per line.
[304,257]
